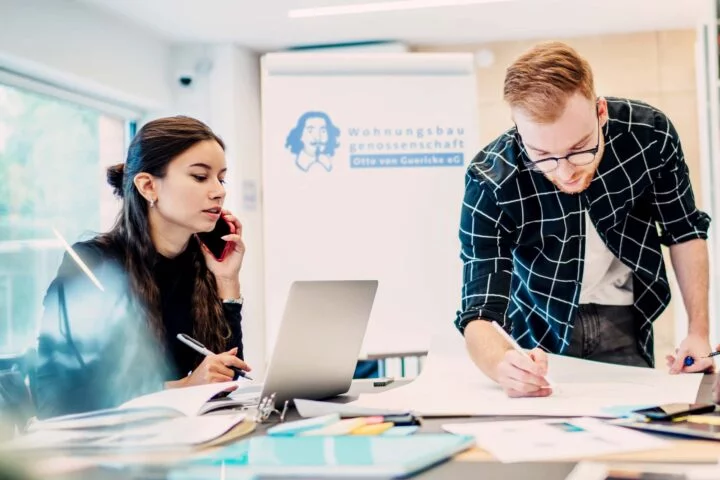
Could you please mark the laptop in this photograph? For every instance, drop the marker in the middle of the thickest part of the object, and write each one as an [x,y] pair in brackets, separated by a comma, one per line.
[318,342]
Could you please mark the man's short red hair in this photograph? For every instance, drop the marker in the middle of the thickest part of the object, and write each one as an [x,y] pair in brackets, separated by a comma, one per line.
[541,80]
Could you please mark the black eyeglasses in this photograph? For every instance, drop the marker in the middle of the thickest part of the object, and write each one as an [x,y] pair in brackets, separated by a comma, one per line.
[549,164]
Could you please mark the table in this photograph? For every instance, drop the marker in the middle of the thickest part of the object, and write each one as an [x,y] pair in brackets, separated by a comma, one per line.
[475,463]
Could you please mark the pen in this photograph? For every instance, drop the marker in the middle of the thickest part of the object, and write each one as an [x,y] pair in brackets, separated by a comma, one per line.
[517,347]
[689,361]
[201,349]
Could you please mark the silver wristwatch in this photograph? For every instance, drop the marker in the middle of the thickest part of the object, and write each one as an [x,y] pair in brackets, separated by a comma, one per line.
[234,301]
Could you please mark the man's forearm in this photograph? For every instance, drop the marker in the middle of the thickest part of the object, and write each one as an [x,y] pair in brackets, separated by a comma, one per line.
[485,346]
[690,262]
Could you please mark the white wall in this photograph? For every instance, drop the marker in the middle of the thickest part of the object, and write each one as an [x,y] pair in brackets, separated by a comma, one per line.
[225,94]
[85,49]
[235,115]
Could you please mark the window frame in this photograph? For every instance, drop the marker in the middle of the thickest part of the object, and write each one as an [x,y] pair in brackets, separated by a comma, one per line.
[130,115]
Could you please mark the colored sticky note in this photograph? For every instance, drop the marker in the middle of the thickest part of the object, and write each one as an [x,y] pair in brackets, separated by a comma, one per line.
[376,429]
[343,427]
[706,419]
[299,426]
[374,420]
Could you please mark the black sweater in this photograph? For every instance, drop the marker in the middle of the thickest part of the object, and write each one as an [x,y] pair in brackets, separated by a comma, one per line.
[95,349]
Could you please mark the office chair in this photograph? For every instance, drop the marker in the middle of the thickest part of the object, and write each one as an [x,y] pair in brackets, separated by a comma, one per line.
[16,403]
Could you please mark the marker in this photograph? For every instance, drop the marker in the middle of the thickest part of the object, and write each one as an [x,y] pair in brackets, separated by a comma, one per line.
[690,361]
[401,420]
[201,349]
[518,348]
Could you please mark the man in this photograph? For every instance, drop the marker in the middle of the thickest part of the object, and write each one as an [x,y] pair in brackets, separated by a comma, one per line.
[313,141]
[561,227]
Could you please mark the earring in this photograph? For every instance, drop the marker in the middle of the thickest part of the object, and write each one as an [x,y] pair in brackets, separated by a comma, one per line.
[152,203]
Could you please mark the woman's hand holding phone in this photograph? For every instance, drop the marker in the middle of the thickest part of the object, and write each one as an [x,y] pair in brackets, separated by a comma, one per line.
[227,271]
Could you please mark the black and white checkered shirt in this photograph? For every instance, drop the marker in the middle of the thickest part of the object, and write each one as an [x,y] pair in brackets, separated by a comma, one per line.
[523,240]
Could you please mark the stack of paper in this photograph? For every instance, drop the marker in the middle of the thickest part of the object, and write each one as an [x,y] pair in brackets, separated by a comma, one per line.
[167,418]
[450,384]
[170,403]
[189,400]
[571,438]
[316,408]
[168,433]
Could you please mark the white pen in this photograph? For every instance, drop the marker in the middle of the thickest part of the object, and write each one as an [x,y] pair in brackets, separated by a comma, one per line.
[202,349]
[78,260]
[517,347]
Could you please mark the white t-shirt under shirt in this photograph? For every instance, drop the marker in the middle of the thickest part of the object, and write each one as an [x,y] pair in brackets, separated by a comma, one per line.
[606,280]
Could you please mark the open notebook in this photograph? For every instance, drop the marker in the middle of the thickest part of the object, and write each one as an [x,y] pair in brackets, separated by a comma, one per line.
[166,419]
[160,433]
[165,404]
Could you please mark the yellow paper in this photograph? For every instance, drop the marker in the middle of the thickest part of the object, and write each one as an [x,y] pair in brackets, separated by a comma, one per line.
[376,429]
[343,427]
[706,419]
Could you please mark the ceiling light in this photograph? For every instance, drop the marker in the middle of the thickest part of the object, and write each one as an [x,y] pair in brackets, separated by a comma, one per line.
[392,6]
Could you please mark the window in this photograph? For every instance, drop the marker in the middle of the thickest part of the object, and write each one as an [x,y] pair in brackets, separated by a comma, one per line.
[53,155]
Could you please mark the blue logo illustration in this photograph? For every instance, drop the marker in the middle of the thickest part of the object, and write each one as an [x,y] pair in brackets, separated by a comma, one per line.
[313,141]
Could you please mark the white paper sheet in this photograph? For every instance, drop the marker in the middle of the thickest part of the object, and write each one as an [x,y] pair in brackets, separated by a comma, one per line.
[175,432]
[451,385]
[181,431]
[52,439]
[188,401]
[316,408]
[534,440]
[165,404]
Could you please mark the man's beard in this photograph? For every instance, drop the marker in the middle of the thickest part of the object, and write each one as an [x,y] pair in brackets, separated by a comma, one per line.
[314,150]
[585,183]
[317,147]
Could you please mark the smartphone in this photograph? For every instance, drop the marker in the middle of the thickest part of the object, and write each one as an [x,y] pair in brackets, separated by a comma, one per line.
[669,411]
[218,247]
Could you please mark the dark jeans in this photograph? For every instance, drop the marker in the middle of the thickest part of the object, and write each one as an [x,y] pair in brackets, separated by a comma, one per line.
[606,333]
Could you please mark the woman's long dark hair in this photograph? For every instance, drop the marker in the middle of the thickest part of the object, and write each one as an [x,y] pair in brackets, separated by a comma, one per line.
[153,148]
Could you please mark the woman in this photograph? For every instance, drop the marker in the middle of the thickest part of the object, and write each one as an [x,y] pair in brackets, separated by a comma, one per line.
[98,348]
